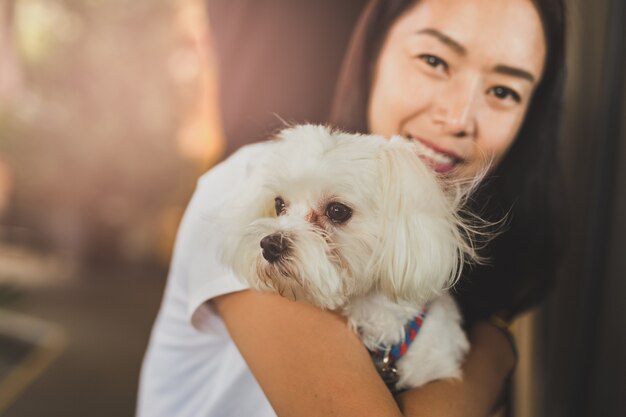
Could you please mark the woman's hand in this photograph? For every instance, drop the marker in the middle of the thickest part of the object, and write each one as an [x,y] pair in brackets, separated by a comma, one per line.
[486,368]
[307,361]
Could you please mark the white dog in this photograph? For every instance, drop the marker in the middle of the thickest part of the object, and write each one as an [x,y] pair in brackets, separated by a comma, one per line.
[359,224]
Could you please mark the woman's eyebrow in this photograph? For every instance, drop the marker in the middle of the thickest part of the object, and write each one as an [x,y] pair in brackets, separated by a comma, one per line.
[515,72]
[454,45]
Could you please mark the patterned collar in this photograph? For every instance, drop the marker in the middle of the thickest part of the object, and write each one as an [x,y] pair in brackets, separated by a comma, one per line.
[385,359]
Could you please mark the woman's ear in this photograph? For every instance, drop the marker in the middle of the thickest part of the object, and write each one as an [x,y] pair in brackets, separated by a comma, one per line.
[422,249]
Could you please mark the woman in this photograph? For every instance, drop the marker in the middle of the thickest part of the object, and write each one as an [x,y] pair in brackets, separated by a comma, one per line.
[478,83]
[525,182]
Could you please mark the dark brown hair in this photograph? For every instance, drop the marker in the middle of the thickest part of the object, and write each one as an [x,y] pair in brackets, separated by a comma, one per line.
[526,186]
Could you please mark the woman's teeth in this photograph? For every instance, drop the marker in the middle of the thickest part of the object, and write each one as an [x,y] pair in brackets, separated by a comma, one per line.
[433,155]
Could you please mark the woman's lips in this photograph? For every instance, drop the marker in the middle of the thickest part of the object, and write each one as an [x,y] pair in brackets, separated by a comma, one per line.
[439,160]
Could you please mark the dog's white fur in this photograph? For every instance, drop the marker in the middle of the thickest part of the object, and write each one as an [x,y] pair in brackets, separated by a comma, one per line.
[403,247]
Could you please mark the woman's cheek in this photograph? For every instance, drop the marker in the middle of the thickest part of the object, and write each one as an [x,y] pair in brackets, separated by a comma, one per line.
[500,132]
[415,93]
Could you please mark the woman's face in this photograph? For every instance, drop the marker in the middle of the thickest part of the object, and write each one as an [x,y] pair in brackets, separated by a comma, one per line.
[457,77]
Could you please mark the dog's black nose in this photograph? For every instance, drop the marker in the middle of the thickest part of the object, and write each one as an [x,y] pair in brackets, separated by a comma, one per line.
[274,246]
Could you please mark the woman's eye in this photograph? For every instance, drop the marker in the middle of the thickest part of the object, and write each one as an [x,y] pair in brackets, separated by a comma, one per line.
[279,205]
[338,213]
[434,61]
[504,93]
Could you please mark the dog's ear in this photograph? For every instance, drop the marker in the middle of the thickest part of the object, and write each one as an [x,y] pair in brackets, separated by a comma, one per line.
[250,200]
[285,154]
[423,246]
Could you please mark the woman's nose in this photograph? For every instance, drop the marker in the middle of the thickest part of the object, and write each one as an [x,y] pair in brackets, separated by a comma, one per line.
[455,107]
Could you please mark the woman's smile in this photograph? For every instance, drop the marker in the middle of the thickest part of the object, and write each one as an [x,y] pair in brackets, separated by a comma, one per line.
[441,160]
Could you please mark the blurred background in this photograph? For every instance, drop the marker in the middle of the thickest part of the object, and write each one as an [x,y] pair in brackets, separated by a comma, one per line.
[108,115]
[107,118]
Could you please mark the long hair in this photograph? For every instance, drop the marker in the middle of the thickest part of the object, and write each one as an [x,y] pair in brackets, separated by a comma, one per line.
[526,185]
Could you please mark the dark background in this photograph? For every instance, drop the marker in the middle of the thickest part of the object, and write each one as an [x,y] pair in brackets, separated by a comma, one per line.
[582,329]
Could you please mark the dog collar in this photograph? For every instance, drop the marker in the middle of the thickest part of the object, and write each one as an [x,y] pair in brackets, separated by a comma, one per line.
[385,359]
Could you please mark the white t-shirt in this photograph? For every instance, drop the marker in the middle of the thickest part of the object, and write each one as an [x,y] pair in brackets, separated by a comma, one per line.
[192,368]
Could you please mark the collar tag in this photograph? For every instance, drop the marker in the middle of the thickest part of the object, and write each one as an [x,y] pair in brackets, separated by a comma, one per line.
[386,368]
[385,359]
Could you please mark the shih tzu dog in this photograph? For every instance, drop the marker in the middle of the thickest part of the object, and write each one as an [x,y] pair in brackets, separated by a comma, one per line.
[360,225]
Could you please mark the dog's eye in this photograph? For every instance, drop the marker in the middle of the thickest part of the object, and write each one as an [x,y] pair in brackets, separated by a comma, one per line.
[279,205]
[338,213]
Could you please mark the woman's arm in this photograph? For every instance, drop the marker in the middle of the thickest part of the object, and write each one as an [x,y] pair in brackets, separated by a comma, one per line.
[310,364]
[306,360]
[486,368]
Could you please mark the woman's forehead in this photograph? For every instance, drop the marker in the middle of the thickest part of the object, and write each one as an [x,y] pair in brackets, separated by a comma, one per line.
[505,31]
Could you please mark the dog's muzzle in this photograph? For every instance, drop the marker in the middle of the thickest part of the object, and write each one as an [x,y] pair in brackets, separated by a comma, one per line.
[274,246]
